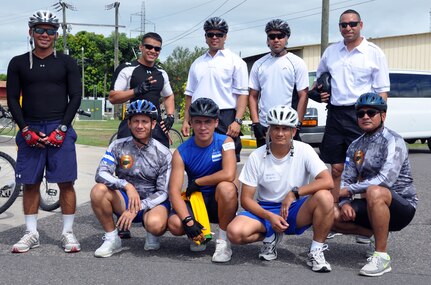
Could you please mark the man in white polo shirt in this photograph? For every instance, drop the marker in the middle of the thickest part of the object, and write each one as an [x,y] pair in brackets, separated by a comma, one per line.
[222,76]
[357,67]
[279,72]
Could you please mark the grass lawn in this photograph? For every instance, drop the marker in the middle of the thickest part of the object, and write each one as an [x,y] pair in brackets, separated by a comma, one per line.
[95,133]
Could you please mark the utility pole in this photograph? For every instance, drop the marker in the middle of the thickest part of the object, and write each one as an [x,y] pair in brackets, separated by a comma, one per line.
[115,5]
[324,35]
[83,71]
[60,5]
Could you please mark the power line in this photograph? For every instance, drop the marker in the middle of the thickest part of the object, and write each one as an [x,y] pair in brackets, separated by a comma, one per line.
[181,11]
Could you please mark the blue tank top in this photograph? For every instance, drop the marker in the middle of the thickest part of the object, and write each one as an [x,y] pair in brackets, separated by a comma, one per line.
[202,161]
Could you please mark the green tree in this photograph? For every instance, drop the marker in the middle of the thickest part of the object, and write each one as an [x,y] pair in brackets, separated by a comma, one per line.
[3,77]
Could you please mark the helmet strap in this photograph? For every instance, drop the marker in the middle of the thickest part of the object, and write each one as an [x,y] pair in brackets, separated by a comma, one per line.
[31,47]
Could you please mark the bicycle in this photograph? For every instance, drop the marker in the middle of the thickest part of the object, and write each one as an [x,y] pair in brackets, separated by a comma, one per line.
[175,138]
[9,190]
[7,125]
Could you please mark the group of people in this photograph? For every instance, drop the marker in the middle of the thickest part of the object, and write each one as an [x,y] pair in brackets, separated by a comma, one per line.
[286,187]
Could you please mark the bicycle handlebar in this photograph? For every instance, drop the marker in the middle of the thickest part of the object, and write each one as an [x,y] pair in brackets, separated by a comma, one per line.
[83,113]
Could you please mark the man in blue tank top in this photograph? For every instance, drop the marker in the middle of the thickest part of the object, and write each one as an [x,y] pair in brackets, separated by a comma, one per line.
[210,163]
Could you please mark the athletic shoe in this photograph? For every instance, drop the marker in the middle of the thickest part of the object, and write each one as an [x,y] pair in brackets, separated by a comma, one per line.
[70,243]
[124,234]
[197,247]
[331,235]
[376,266]
[223,252]
[28,241]
[371,247]
[362,239]
[316,260]
[268,251]
[151,242]
[109,247]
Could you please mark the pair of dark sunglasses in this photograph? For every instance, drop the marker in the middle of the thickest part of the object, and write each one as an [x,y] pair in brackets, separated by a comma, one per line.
[351,24]
[211,35]
[276,36]
[150,47]
[49,32]
[370,113]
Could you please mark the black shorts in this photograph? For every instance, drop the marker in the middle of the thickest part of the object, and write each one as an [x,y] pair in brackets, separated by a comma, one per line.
[212,208]
[227,116]
[341,129]
[401,211]
[157,133]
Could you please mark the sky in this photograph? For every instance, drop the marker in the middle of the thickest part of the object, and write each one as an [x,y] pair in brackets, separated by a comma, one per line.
[180,22]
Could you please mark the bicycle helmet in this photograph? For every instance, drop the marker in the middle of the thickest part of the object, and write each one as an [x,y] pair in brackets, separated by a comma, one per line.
[142,107]
[43,17]
[278,25]
[325,81]
[371,100]
[282,115]
[204,107]
[216,23]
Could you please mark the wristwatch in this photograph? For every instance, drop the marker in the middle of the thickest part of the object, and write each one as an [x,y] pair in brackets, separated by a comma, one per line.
[295,191]
[62,128]
[239,121]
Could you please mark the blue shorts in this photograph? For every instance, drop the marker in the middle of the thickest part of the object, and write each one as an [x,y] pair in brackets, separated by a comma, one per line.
[59,163]
[139,217]
[275,208]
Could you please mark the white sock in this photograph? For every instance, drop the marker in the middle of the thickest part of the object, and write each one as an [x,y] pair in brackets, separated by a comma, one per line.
[68,223]
[315,244]
[31,223]
[270,238]
[222,235]
[111,235]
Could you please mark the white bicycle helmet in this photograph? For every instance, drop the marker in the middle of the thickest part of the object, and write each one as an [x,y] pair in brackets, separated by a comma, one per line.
[282,115]
[43,17]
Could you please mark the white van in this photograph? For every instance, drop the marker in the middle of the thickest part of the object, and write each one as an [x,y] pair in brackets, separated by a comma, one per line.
[409,109]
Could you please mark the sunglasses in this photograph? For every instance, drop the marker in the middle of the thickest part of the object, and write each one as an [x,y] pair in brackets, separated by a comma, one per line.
[276,36]
[49,32]
[370,113]
[211,35]
[150,47]
[351,24]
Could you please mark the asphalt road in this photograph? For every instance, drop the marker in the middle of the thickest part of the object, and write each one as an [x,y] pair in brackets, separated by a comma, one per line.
[175,264]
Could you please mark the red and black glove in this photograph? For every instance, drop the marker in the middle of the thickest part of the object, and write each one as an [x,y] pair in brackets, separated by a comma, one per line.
[31,137]
[56,138]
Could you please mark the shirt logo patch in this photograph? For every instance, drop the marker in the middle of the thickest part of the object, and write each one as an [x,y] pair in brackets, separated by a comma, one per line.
[216,156]
[126,161]
[359,157]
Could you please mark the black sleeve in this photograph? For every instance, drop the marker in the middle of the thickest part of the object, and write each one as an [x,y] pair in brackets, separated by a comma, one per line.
[74,89]
[13,93]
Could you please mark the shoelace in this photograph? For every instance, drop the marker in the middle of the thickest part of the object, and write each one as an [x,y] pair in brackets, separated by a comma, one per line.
[218,246]
[317,254]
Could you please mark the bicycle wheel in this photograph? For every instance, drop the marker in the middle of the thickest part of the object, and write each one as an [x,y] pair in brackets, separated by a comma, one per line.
[175,138]
[113,138]
[7,129]
[49,195]
[9,190]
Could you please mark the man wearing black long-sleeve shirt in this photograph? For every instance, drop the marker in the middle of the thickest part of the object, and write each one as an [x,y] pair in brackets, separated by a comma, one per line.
[50,86]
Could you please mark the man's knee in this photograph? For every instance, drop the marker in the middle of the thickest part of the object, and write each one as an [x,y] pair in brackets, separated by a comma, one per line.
[98,192]
[377,194]
[175,225]
[226,192]
[337,170]
[235,233]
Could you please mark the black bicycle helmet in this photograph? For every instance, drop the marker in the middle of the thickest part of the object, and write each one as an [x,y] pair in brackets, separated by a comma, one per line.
[204,107]
[216,23]
[142,107]
[278,25]
[371,100]
[43,17]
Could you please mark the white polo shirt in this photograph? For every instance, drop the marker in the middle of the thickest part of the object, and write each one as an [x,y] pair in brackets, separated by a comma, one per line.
[362,70]
[222,78]
[275,78]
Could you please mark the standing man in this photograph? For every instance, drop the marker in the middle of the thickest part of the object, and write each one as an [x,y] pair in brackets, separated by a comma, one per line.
[208,158]
[142,79]
[279,174]
[279,72]
[377,166]
[222,76]
[50,85]
[356,66]
[132,182]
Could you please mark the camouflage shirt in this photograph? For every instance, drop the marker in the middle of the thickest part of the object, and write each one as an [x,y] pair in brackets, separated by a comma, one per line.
[147,168]
[379,159]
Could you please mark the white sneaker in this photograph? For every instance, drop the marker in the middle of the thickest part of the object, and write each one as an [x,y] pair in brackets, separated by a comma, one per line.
[268,251]
[151,242]
[109,247]
[316,260]
[376,266]
[223,252]
[197,247]
[70,243]
[28,241]
[362,239]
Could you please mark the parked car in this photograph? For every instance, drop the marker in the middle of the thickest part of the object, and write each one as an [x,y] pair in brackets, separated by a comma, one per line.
[409,109]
